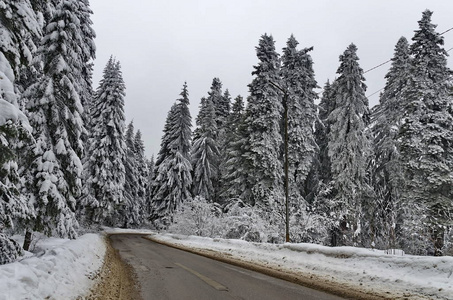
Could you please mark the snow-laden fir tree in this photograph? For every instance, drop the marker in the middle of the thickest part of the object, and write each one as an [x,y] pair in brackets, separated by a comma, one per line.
[233,174]
[54,109]
[299,84]
[205,153]
[387,119]
[149,187]
[19,28]
[173,180]
[348,150]
[263,145]
[87,53]
[218,101]
[130,212]
[21,31]
[321,175]
[104,170]
[143,173]
[426,137]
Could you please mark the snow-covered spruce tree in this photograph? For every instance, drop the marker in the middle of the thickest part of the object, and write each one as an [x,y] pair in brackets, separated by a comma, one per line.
[325,107]
[14,207]
[218,101]
[149,187]
[299,84]
[87,55]
[143,172]
[263,145]
[130,212]
[387,119]
[54,109]
[205,153]
[21,31]
[298,80]
[348,150]
[19,28]
[88,52]
[173,180]
[104,170]
[426,143]
[230,179]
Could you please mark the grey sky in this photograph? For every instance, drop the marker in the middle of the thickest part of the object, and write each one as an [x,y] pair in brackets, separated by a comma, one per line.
[162,43]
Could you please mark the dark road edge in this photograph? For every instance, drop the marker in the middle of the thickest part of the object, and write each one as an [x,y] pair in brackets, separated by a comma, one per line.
[312,282]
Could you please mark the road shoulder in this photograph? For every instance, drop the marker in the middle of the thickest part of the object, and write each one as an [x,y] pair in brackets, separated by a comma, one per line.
[116,279]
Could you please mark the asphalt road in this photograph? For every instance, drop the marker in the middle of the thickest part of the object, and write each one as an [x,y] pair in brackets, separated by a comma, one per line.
[168,273]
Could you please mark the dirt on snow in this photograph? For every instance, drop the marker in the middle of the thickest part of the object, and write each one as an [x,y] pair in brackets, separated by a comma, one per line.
[116,280]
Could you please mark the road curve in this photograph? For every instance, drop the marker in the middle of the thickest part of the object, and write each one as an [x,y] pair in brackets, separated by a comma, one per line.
[167,273]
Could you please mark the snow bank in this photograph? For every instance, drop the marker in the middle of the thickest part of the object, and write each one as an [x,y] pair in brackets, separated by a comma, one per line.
[62,269]
[109,230]
[373,271]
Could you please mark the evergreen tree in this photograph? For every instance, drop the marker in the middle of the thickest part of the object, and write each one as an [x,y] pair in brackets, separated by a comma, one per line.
[348,149]
[143,173]
[54,109]
[233,176]
[129,213]
[387,178]
[104,170]
[149,187]
[426,141]
[173,180]
[21,32]
[326,106]
[205,153]
[20,29]
[299,84]
[218,101]
[262,149]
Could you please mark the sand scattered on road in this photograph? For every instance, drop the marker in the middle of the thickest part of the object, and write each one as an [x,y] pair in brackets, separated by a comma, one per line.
[116,279]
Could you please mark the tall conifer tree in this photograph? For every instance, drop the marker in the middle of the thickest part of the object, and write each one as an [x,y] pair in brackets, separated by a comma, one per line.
[205,153]
[262,149]
[386,174]
[173,180]
[104,170]
[54,108]
[299,82]
[427,139]
[348,149]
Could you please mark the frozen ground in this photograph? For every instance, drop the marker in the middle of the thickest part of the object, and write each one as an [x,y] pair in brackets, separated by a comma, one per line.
[64,269]
[376,272]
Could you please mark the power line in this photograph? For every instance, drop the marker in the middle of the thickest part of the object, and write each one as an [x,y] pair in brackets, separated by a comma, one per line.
[386,62]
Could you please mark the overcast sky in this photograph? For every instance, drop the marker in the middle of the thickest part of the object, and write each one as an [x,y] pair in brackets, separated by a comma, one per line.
[162,43]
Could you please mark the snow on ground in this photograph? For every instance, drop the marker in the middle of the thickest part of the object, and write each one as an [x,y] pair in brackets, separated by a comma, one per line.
[64,269]
[414,277]
[58,269]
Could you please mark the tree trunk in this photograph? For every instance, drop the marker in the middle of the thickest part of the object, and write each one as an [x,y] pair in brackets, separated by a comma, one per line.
[27,240]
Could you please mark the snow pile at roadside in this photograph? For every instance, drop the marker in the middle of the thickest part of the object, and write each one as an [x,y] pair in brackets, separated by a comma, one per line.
[110,230]
[373,271]
[60,269]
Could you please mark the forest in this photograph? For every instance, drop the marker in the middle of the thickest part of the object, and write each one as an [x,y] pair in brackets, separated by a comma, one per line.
[320,168]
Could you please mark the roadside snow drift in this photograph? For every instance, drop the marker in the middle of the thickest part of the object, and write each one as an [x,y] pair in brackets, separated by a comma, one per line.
[62,269]
[367,270]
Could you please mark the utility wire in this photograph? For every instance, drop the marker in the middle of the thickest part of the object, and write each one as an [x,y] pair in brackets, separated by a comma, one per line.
[386,62]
